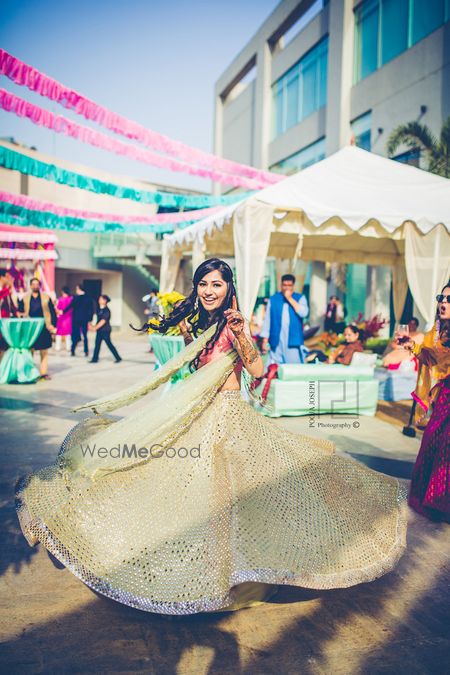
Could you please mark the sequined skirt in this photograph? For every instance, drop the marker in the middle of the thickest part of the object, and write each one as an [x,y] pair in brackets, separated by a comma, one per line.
[236,499]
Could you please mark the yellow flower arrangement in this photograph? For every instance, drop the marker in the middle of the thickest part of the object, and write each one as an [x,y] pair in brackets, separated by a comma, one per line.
[166,302]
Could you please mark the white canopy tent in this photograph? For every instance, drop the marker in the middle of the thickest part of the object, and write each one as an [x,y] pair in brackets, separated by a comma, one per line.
[352,207]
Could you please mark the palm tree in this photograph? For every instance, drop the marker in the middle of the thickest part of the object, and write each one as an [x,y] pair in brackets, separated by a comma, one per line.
[415,135]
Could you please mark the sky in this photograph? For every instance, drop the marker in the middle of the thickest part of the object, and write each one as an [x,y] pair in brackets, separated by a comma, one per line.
[152,61]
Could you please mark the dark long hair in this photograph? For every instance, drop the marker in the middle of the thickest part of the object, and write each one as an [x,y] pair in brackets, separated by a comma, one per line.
[444,324]
[192,309]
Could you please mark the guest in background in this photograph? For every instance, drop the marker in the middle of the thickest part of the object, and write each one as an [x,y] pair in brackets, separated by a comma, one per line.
[282,329]
[353,337]
[334,315]
[429,492]
[151,301]
[20,293]
[103,330]
[64,321]
[8,306]
[414,333]
[82,307]
[38,304]
[397,354]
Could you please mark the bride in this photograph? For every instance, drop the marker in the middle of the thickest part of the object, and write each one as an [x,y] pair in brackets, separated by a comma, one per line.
[196,502]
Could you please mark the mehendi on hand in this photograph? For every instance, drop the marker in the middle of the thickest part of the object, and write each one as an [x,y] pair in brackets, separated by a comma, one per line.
[249,353]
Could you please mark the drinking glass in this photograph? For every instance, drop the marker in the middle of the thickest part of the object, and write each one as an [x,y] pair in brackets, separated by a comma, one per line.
[402,333]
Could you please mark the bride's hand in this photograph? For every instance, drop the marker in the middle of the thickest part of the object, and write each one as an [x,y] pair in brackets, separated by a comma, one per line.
[235,320]
[182,325]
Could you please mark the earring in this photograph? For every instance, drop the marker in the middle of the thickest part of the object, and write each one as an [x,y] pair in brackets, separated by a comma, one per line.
[196,303]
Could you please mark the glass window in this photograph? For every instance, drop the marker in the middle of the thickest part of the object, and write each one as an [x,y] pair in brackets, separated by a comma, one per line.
[300,160]
[300,91]
[427,15]
[309,97]
[366,38]
[409,157]
[385,28]
[362,127]
[394,28]
[292,97]
[322,78]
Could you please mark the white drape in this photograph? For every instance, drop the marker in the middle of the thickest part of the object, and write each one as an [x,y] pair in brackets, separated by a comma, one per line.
[251,233]
[399,290]
[198,254]
[427,260]
[170,263]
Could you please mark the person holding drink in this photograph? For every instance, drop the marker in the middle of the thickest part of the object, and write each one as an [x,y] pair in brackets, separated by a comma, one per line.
[430,482]
[396,353]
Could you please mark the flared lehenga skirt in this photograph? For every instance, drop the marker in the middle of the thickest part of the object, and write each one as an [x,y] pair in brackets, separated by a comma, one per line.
[234,499]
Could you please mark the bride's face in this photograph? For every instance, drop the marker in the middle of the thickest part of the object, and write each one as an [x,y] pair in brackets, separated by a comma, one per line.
[212,290]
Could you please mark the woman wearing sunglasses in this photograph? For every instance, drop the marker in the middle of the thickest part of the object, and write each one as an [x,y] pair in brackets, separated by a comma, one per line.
[430,482]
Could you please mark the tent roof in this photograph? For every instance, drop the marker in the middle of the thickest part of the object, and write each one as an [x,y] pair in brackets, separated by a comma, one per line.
[353,188]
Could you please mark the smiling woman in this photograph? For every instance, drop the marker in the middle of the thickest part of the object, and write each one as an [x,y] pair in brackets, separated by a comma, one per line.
[258,507]
[213,300]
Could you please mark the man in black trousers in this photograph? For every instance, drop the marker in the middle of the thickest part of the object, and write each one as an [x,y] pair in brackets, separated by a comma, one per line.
[83,311]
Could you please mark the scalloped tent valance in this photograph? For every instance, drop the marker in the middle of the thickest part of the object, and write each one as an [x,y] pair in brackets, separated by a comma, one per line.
[353,206]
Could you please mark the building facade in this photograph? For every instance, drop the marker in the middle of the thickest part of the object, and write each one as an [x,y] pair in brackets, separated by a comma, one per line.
[321,74]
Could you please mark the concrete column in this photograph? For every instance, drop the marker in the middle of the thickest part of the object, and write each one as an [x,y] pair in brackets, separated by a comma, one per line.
[317,294]
[340,74]
[263,103]
[218,137]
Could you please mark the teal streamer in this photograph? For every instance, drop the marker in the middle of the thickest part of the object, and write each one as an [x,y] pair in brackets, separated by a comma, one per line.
[10,159]
[12,214]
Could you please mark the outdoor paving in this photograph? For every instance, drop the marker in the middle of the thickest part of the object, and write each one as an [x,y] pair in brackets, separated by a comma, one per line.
[52,623]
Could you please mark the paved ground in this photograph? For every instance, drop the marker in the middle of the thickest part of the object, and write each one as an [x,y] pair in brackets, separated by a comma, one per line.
[52,623]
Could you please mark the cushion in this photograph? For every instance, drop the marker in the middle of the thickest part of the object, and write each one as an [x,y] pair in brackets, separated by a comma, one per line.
[363,359]
[328,371]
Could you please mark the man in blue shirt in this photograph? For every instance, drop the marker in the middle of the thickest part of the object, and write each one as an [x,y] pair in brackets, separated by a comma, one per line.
[283,323]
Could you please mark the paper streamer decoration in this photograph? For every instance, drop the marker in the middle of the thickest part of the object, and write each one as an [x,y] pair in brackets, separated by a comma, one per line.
[27,254]
[27,237]
[158,218]
[62,125]
[13,214]
[25,75]
[17,161]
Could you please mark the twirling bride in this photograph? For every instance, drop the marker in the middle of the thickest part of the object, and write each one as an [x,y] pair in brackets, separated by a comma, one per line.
[217,505]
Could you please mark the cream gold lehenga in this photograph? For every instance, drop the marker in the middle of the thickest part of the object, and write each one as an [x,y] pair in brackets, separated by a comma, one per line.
[251,504]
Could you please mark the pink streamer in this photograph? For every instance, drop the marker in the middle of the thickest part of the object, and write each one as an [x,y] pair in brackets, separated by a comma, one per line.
[26,254]
[62,125]
[25,75]
[159,218]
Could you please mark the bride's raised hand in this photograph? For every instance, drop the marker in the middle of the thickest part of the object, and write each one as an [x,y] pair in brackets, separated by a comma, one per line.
[235,320]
